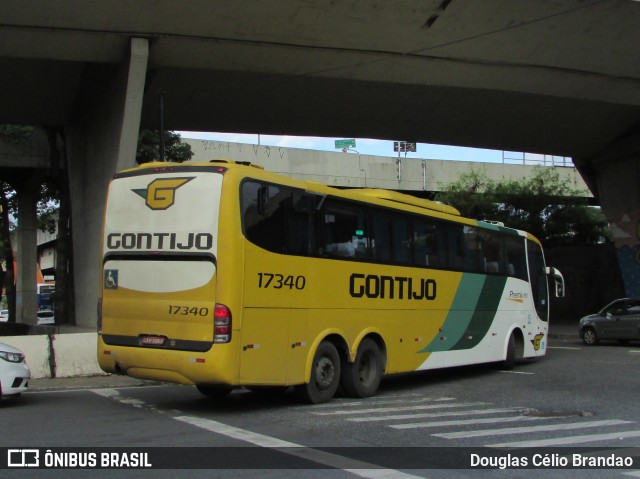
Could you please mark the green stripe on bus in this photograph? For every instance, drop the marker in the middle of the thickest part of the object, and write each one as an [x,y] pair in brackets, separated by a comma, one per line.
[471,315]
[460,314]
[484,314]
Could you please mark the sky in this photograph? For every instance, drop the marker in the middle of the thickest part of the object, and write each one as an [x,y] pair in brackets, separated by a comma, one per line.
[367,146]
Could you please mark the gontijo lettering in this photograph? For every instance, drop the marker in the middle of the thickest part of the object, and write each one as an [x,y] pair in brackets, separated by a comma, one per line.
[391,287]
[160,241]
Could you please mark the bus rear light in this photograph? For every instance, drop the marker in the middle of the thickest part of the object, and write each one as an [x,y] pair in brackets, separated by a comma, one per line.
[221,324]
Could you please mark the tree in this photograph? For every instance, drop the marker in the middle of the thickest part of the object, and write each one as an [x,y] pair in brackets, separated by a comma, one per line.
[545,205]
[149,147]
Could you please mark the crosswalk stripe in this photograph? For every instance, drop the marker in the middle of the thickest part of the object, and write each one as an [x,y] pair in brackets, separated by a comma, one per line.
[343,412]
[530,429]
[465,412]
[465,422]
[561,441]
[391,399]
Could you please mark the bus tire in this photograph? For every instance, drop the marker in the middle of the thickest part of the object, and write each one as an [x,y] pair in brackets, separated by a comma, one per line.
[510,361]
[361,378]
[325,376]
[214,391]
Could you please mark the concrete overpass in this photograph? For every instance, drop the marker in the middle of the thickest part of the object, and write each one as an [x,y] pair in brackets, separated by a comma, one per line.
[556,77]
[349,169]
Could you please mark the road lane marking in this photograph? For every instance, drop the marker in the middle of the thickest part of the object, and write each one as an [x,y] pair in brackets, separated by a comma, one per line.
[401,400]
[465,412]
[353,466]
[530,429]
[516,372]
[562,441]
[342,412]
[564,347]
[466,422]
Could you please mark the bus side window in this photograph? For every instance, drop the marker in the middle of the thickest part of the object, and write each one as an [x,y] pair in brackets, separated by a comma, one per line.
[264,215]
[344,230]
[491,251]
[391,236]
[515,257]
[301,224]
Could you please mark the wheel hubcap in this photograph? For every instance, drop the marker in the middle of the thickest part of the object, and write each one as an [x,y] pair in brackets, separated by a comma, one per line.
[325,373]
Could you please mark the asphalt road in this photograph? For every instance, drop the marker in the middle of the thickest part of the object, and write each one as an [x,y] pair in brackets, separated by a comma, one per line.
[584,399]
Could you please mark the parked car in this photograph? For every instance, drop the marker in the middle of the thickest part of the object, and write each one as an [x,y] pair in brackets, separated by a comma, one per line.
[618,320]
[4,315]
[46,316]
[14,372]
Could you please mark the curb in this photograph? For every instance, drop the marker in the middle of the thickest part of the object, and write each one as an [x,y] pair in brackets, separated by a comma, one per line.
[86,382]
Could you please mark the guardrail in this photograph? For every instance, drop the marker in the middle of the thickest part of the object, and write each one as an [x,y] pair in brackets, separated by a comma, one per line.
[534,159]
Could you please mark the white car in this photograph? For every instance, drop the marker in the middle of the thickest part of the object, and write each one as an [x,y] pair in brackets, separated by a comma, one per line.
[4,315]
[14,372]
[46,316]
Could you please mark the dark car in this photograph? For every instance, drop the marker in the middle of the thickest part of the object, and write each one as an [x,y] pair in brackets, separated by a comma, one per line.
[618,320]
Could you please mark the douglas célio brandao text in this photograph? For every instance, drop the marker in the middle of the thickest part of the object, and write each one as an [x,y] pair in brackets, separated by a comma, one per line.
[550,460]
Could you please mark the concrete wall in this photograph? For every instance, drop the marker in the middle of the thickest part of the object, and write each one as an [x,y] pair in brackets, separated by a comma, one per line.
[58,355]
[352,170]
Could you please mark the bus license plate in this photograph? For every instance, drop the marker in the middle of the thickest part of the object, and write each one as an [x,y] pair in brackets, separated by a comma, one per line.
[152,340]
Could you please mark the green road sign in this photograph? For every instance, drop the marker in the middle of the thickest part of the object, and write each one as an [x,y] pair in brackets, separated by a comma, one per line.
[349,143]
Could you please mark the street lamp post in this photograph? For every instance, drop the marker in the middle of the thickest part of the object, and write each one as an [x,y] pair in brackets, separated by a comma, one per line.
[345,150]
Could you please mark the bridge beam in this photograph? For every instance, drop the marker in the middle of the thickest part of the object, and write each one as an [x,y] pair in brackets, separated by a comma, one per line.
[614,177]
[101,140]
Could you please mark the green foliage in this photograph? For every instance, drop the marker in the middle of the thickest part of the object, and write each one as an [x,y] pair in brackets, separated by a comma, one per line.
[15,134]
[545,205]
[149,147]
[48,207]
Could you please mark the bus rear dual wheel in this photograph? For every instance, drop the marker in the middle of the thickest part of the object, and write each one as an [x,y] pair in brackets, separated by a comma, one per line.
[358,379]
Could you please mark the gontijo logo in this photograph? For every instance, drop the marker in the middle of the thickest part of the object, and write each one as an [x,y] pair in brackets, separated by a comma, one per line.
[160,194]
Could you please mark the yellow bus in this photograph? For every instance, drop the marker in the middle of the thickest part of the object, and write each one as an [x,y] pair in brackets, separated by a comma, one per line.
[224,275]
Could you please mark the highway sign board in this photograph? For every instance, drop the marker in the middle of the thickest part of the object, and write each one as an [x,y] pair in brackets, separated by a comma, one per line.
[348,143]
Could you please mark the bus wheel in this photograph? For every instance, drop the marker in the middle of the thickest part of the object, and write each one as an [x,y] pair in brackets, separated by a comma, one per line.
[213,391]
[361,378]
[510,360]
[325,376]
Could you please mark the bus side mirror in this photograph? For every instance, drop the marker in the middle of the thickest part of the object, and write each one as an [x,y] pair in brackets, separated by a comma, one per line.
[558,281]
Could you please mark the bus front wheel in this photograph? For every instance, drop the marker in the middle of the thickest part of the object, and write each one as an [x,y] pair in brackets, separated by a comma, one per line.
[361,378]
[510,361]
[325,376]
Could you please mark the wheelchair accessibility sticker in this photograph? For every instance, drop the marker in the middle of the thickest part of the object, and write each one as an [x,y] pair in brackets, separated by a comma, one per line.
[110,279]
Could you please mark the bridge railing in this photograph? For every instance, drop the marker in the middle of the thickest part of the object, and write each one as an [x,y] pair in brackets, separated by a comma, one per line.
[535,159]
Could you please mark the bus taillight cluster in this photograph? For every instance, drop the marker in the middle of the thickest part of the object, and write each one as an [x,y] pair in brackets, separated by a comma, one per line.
[221,324]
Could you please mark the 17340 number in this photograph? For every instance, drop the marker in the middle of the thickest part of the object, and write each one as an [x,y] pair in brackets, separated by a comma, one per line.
[280,281]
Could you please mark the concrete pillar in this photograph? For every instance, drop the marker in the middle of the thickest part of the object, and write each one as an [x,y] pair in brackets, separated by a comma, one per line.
[616,176]
[104,129]
[27,251]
